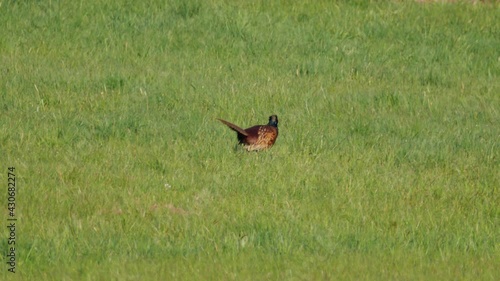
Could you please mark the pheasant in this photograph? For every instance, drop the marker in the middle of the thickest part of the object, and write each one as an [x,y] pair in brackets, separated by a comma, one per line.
[257,137]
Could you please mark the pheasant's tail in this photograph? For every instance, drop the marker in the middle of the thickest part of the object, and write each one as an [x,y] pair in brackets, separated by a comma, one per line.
[234,127]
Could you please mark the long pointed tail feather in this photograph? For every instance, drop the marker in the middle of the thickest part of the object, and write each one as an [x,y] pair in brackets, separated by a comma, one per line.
[234,127]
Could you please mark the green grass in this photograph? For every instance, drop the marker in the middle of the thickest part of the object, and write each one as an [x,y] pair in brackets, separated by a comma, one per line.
[386,167]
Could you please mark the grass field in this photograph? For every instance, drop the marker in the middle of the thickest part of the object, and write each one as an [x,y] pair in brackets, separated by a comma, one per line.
[386,167]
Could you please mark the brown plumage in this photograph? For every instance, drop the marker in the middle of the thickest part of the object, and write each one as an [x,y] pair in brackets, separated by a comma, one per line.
[257,137]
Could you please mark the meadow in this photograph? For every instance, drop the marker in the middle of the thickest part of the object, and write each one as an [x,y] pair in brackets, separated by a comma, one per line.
[386,166]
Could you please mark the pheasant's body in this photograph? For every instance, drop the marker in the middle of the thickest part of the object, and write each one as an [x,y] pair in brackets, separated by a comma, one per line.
[257,137]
